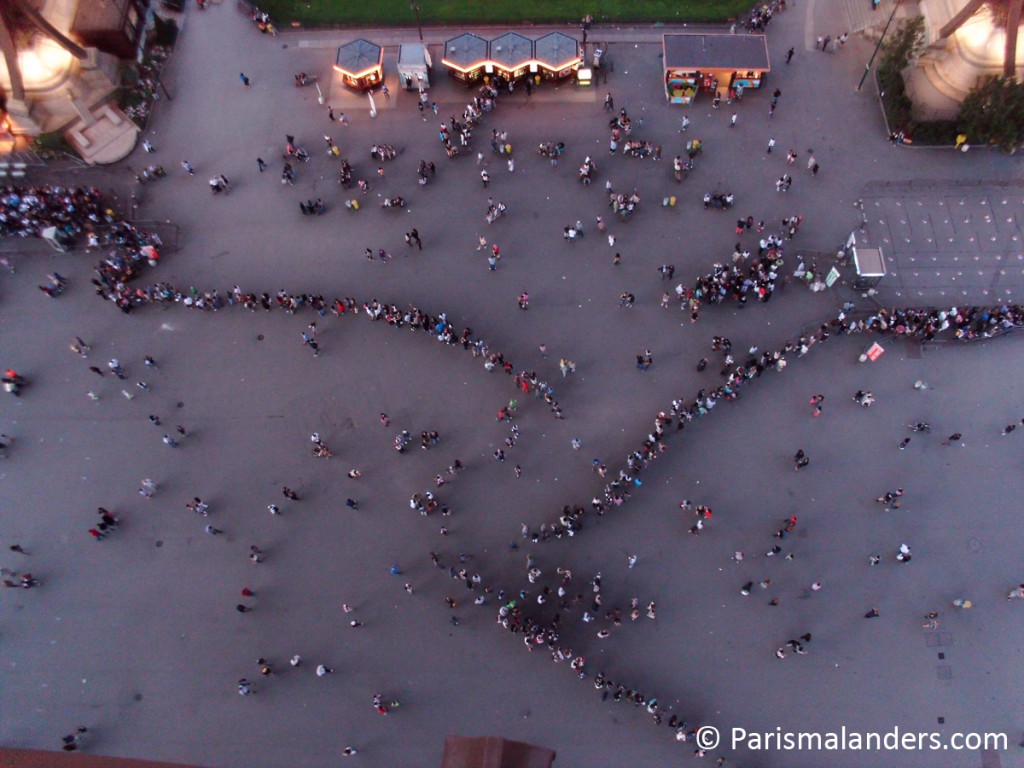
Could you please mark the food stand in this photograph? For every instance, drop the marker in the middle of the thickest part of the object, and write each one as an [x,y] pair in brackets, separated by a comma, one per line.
[361,64]
[466,57]
[414,66]
[556,57]
[712,63]
[511,55]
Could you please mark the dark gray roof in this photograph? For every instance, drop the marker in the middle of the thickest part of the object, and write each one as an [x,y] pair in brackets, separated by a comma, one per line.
[511,50]
[465,50]
[358,56]
[556,49]
[700,51]
[493,752]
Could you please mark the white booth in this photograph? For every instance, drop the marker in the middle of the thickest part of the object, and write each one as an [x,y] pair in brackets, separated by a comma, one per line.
[414,66]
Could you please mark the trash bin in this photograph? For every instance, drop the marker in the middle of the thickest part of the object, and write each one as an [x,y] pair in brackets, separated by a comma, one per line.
[598,53]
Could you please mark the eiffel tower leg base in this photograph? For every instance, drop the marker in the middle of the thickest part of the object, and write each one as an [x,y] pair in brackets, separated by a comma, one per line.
[20,119]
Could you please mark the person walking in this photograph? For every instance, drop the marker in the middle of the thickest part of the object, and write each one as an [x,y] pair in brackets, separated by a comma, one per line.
[245,80]
[260,164]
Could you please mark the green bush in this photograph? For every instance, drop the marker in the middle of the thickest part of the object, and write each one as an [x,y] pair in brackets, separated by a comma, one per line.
[939,132]
[165,32]
[897,52]
[993,113]
[52,146]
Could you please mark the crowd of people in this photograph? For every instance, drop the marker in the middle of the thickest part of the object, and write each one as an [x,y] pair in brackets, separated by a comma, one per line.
[25,212]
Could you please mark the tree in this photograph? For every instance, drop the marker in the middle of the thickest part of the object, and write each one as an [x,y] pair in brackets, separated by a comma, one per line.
[904,44]
[993,113]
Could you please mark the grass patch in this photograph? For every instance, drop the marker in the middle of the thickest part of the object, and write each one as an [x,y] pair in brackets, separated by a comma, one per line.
[395,13]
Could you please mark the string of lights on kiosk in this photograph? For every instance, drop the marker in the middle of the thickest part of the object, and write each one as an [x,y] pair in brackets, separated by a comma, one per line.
[470,58]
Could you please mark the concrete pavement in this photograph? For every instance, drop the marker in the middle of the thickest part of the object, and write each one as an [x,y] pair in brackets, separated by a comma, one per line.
[155,647]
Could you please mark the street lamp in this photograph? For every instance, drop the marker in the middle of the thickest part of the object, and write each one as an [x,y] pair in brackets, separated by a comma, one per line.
[416,9]
[867,67]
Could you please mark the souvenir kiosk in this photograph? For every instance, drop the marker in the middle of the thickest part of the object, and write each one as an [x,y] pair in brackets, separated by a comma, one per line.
[466,57]
[361,64]
[712,63]
[556,57]
[414,66]
[511,55]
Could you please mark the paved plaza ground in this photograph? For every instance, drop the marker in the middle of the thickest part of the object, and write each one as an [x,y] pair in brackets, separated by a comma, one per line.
[137,636]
